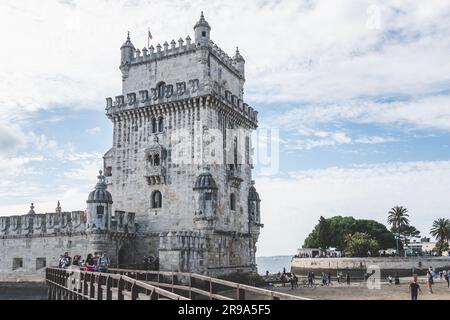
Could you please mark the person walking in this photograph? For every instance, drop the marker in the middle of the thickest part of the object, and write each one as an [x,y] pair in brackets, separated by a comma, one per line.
[348,278]
[397,279]
[414,288]
[430,281]
[447,277]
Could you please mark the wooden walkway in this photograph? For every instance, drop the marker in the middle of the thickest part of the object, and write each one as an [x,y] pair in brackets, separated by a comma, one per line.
[123,284]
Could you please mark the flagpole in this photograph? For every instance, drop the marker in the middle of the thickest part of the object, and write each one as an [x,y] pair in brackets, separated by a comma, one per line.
[148,38]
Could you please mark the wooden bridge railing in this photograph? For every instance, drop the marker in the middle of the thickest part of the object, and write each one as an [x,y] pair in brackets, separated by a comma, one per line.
[73,284]
[196,286]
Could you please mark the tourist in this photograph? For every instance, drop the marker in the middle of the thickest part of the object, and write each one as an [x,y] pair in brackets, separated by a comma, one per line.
[414,288]
[103,263]
[440,275]
[61,262]
[292,281]
[348,278]
[430,281]
[324,279]
[68,259]
[310,279]
[329,279]
[390,279]
[397,279]
[89,263]
[296,280]
[447,277]
[76,261]
[267,273]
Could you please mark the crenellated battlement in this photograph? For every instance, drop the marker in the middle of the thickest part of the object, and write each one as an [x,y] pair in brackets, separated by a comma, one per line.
[61,223]
[177,92]
[43,224]
[176,48]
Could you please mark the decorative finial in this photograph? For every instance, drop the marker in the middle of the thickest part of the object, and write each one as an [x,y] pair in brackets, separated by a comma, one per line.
[201,15]
[58,207]
[128,36]
[237,49]
[31,209]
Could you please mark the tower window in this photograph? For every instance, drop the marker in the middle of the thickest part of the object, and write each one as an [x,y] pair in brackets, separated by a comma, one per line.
[203,33]
[233,202]
[156,160]
[108,171]
[17,263]
[154,126]
[160,124]
[40,263]
[161,90]
[156,200]
[100,211]
[208,196]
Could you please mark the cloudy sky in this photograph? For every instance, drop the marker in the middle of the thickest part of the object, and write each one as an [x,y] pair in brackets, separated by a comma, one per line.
[359,90]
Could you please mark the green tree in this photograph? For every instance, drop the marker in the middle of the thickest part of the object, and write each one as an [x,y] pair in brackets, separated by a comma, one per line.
[398,218]
[441,231]
[324,233]
[339,227]
[360,244]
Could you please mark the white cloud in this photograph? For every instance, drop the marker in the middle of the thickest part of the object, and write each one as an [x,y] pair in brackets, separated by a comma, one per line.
[93,131]
[291,207]
[425,113]
[11,139]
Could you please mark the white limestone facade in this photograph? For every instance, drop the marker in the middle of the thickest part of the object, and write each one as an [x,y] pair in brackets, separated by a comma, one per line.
[177,183]
[181,118]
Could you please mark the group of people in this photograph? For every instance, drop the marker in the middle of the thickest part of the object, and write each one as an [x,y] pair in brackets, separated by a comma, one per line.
[98,263]
[396,279]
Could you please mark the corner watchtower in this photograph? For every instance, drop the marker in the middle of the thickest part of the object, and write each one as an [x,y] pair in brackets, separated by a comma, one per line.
[202,31]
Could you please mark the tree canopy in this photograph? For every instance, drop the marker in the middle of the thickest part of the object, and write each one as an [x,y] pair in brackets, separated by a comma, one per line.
[338,227]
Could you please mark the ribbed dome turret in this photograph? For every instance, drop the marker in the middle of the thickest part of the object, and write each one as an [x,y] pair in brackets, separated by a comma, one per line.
[100,194]
[205,181]
[128,43]
[202,22]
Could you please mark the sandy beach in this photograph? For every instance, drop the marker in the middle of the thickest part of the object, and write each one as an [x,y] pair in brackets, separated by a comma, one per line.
[359,291]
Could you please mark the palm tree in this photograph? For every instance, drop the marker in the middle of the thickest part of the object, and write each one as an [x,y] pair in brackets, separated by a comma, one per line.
[441,231]
[398,217]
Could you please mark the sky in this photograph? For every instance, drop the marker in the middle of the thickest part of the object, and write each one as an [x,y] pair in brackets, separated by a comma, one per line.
[355,94]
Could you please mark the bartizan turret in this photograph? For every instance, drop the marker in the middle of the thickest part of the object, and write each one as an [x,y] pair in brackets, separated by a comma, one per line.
[202,32]
[99,207]
[128,52]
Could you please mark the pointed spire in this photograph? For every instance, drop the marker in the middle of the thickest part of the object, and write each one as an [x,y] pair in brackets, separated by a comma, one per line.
[202,22]
[58,207]
[31,209]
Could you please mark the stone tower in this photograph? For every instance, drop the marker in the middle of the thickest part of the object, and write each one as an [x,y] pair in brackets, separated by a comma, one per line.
[181,158]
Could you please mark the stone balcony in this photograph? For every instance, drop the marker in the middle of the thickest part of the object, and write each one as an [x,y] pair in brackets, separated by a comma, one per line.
[235,175]
[155,174]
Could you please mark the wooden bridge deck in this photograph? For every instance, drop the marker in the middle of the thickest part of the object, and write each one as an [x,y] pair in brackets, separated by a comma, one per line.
[123,284]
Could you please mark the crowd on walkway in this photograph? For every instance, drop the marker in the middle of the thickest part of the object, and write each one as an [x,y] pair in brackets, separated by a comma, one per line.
[95,263]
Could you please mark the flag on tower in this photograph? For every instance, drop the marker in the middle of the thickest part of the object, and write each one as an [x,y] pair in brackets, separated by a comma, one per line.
[150,37]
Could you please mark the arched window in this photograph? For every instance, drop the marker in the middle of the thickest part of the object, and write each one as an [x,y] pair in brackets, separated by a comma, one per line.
[160,124]
[232,202]
[156,160]
[161,90]
[154,126]
[150,159]
[156,200]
